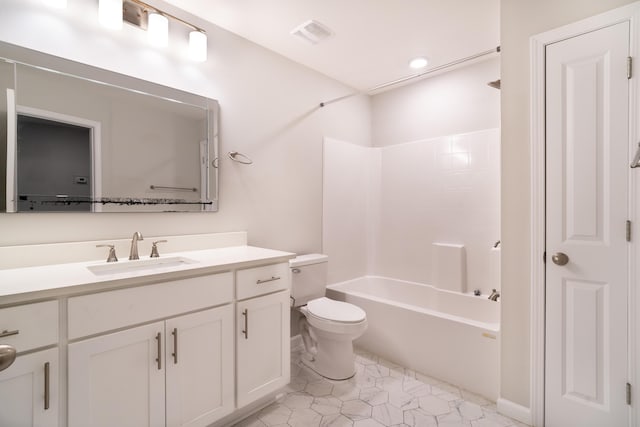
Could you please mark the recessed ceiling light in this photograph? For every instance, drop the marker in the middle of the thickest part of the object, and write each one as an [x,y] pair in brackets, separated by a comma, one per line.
[419,62]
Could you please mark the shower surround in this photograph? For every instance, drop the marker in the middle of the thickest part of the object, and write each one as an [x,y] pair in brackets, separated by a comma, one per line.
[385,208]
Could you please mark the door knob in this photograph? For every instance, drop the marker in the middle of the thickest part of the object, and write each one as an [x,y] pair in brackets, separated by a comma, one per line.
[7,356]
[560,258]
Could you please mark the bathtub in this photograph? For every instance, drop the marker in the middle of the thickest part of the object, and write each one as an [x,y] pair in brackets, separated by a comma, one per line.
[450,336]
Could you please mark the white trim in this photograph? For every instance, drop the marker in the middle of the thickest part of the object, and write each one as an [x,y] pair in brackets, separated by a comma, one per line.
[11,202]
[538,44]
[537,230]
[515,411]
[96,144]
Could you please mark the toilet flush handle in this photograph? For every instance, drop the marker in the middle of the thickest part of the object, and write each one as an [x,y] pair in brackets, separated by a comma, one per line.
[295,270]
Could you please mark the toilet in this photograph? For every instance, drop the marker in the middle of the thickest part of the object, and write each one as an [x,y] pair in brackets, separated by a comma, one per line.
[327,327]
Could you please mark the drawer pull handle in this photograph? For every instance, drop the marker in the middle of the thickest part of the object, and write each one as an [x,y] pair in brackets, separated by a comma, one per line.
[159,359]
[175,346]
[273,278]
[7,333]
[245,313]
[46,386]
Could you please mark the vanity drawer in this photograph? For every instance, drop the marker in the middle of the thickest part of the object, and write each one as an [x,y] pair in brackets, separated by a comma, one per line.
[104,311]
[36,325]
[261,280]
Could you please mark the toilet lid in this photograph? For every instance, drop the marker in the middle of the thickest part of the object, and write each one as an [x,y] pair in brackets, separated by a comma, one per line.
[336,311]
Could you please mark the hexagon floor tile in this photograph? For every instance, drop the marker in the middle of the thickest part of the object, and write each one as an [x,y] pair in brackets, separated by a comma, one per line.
[381,393]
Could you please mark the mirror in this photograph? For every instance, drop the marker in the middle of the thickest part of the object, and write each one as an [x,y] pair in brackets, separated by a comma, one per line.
[75,138]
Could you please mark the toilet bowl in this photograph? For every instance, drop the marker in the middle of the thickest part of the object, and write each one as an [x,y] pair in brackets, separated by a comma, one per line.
[331,326]
[327,327]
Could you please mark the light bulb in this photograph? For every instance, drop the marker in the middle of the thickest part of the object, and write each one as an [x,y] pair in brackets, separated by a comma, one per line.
[198,46]
[158,30]
[110,14]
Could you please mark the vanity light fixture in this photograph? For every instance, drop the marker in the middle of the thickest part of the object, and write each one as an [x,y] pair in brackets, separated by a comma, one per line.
[419,62]
[110,14]
[153,20]
[198,45]
[158,30]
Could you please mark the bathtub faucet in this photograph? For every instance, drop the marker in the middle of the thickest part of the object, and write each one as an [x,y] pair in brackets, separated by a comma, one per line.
[494,295]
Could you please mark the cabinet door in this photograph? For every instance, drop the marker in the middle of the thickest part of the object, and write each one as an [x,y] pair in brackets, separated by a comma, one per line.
[118,379]
[27,397]
[199,355]
[263,343]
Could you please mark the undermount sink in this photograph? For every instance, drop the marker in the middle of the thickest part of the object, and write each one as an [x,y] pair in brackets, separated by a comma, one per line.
[139,266]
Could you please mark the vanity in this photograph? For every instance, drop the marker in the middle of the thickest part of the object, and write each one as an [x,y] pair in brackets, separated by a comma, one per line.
[192,338]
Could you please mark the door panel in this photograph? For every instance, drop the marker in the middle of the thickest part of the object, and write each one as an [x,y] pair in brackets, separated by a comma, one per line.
[117,380]
[199,355]
[587,195]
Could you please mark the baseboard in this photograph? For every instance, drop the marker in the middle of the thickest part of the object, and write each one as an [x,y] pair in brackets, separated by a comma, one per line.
[515,411]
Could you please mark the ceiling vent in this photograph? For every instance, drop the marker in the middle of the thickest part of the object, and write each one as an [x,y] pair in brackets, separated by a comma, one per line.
[312,31]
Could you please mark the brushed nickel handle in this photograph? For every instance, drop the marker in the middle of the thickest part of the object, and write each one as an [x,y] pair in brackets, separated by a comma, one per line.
[175,346]
[273,278]
[295,270]
[245,313]
[560,258]
[46,386]
[7,356]
[159,359]
[7,333]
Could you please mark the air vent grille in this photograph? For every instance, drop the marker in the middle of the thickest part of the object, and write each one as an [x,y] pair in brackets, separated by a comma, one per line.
[312,31]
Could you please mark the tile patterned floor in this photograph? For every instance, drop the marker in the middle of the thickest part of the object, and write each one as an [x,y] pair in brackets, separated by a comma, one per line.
[380,394]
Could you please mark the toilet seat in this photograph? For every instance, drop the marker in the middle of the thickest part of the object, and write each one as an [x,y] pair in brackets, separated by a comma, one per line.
[335,311]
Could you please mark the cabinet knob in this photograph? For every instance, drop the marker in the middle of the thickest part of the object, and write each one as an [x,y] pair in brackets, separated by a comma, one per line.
[7,356]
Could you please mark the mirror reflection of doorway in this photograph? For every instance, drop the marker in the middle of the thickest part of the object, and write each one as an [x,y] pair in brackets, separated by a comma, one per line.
[53,166]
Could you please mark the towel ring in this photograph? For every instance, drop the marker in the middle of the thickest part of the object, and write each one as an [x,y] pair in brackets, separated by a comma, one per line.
[243,159]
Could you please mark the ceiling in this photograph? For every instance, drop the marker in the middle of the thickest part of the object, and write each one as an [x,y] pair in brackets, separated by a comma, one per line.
[372,41]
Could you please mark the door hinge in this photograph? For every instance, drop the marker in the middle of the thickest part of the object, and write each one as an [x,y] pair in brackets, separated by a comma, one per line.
[628,393]
[544,257]
[628,231]
[629,67]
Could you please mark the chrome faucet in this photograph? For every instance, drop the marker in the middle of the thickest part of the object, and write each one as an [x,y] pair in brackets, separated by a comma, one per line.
[494,295]
[134,245]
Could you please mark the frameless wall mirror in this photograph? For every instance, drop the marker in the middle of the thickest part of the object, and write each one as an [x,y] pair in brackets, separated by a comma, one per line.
[75,138]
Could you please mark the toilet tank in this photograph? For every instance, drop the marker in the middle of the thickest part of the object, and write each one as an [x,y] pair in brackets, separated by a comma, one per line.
[308,277]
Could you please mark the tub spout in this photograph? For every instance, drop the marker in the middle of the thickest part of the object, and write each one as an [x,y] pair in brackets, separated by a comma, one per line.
[494,295]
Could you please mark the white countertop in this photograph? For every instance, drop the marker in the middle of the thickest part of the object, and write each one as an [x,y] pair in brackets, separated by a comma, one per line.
[32,283]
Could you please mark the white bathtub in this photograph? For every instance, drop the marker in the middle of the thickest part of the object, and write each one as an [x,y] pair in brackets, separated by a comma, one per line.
[447,335]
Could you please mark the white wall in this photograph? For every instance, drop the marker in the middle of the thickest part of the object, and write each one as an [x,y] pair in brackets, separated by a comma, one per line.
[268,111]
[350,208]
[518,22]
[458,101]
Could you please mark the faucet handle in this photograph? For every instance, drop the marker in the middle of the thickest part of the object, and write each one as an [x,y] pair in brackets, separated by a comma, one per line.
[154,248]
[112,252]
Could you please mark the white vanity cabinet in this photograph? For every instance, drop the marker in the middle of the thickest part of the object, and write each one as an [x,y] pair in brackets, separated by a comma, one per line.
[29,388]
[175,372]
[262,331]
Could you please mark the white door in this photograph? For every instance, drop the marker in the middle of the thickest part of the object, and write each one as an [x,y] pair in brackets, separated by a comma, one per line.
[199,355]
[587,120]
[118,379]
[27,397]
[263,340]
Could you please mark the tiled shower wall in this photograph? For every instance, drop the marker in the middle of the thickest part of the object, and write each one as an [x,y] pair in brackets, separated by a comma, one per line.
[385,207]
